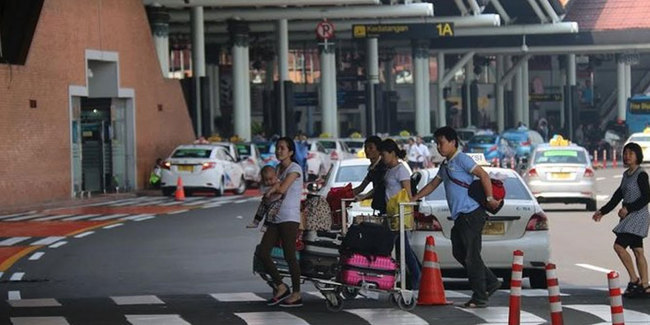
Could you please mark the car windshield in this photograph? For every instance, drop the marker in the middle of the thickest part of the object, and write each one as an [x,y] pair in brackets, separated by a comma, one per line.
[483,139]
[465,135]
[354,144]
[191,153]
[515,137]
[515,190]
[328,145]
[640,139]
[244,150]
[264,147]
[351,174]
[560,156]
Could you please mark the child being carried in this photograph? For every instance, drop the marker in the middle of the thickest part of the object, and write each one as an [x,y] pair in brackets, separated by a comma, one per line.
[269,206]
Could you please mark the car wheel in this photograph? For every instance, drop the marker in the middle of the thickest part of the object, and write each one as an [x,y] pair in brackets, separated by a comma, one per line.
[242,186]
[168,191]
[221,190]
[591,205]
[537,279]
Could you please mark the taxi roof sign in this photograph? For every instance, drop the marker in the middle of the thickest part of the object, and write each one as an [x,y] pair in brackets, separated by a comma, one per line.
[646,130]
[559,141]
[479,158]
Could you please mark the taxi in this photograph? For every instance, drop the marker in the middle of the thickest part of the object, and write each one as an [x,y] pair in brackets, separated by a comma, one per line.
[560,171]
[520,225]
[202,167]
[643,140]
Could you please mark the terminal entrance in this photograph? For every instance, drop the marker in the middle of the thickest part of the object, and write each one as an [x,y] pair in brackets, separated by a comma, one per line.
[96,135]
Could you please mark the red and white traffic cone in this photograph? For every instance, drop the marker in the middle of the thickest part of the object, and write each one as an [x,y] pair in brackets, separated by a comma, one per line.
[614,158]
[615,299]
[604,158]
[554,295]
[514,314]
[595,163]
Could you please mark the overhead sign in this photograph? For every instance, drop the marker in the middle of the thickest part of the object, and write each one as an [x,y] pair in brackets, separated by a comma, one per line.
[639,105]
[549,97]
[325,30]
[401,31]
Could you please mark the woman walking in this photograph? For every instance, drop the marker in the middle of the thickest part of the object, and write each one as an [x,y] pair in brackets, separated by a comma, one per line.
[635,219]
[285,224]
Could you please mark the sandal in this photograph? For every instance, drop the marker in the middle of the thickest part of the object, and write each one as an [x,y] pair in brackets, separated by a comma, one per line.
[633,289]
[474,304]
[278,299]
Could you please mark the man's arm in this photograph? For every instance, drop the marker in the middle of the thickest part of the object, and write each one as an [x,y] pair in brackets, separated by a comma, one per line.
[479,172]
[361,186]
[427,189]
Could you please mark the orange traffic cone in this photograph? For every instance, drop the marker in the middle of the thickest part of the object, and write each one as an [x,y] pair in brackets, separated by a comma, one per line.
[180,193]
[432,291]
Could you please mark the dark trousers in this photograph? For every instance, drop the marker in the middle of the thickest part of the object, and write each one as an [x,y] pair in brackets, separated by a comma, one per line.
[466,248]
[287,232]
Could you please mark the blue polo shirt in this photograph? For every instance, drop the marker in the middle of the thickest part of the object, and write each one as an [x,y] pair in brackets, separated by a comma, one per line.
[460,167]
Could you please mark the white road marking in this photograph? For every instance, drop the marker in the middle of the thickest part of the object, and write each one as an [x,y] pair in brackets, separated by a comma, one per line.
[110,216]
[455,294]
[13,295]
[594,268]
[137,300]
[135,216]
[212,205]
[29,216]
[36,256]
[83,216]
[534,293]
[156,320]
[17,276]
[57,245]
[618,176]
[46,320]
[271,317]
[500,315]
[600,178]
[16,214]
[60,216]
[144,218]
[239,217]
[113,225]
[171,203]
[197,202]
[12,241]
[237,297]
[47,240]
[604,312]
[84,234]
[241,201]
[46,302]
[179,211]
[387,316]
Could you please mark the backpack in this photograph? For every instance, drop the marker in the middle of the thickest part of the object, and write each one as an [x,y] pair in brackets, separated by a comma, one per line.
[368,239]
[318,214]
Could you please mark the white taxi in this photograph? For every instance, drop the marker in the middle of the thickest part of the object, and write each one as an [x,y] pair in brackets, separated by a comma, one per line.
[520,225]
[202,167]
[643,140]
[560,171]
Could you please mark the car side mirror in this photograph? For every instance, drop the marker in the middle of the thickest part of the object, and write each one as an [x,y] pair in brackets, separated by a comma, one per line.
[313,187]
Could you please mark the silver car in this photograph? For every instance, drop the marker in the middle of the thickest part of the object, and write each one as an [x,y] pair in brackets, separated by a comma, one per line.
[561,173]
[520,225]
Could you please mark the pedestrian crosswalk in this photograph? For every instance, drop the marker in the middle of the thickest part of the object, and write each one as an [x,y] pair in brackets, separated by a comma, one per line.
[249,308]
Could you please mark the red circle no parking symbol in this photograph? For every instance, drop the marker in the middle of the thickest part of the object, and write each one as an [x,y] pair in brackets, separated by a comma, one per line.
[325,30]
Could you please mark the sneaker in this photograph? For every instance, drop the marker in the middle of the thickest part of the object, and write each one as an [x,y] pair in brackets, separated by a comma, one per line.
[287,304]
[276,300]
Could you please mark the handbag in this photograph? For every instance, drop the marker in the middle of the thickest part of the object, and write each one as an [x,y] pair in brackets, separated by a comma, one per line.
[476,192]
[392,209]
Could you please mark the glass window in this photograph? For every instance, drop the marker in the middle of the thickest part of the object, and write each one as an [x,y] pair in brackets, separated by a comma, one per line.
[354,144]
[244,150]
[483,139]
[191,153]
[351,174]
[640,139]
[264,147]
[560,156]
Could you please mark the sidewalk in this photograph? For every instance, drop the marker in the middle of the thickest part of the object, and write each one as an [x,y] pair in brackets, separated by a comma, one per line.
[95,198]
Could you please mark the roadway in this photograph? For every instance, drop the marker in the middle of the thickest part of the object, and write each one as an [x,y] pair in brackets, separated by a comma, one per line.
[150,260]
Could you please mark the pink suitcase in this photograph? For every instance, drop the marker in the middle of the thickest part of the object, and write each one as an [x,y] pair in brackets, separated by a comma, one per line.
[358,269]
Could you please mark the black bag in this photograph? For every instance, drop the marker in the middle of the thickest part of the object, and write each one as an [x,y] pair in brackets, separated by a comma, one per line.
[368,239]
[320,266]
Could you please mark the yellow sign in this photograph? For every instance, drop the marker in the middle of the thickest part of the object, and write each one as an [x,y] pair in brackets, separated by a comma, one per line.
[359,31]
[445,29]
[559,141]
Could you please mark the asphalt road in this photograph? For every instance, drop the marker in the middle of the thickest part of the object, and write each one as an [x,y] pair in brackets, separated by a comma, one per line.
[194,267]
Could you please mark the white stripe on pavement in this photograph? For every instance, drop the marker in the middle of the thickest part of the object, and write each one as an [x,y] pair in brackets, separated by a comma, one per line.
[500,315]
[45,302]
[618,176]
[144,218]
[179,211]
[113,225]
[604,312]
[600,178]
[13,241]
[196,202]
[455,294]
[110,216]
[57,245]
[29,216]
[271,317]
[47,241]
[45,320]
[594,268]
[212,205]
[137,300]
[36,256]
[83,216]
[13,295]
[135,216]
[17,276]
[156,320]
[16,214]
[84,234]
[387,316]
[54,217]
[237,297]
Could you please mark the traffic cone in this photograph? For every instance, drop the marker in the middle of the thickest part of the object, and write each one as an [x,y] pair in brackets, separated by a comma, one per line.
[180,193]
[432,291]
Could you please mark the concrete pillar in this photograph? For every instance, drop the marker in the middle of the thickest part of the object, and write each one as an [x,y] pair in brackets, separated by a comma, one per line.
[329,112]
[159,21]
[372,57]
[500,95]
[467,101]
[621,86]
[421,80]
[518,98]
[441,119]
[628,79]
[525,89]
[241,79]
[198,63]
[572,93]
[283,68]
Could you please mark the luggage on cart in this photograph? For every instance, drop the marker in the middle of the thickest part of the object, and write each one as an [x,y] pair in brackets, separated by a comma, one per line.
[277,255]
[368,239]
[360,270]
[322,241]
[318,215]
[320,257]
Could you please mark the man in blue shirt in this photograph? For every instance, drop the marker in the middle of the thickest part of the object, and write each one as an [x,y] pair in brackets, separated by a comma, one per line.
[468,215]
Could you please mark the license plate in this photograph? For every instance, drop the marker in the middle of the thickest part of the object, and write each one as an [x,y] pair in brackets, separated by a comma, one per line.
[560,175]
[494,228]
[185,168]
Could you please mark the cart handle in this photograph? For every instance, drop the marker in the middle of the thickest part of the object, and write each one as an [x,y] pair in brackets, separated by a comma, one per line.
[344,216]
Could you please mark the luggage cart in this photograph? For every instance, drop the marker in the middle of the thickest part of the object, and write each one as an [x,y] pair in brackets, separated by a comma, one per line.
[336,292]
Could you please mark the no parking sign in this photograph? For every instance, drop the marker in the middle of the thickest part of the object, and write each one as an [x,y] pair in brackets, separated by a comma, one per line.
[325,30]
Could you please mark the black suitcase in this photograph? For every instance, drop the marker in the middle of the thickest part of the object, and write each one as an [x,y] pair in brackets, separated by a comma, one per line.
[320,266]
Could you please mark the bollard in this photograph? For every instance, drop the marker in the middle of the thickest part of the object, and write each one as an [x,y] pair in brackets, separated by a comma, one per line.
[595,163]
[514,313]
[604,158]
[615,300]
[614,158]
[554,295]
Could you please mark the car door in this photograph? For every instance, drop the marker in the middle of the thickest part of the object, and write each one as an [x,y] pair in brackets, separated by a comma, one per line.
[233,172]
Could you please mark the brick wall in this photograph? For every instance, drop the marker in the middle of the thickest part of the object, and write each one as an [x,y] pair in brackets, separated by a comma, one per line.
[35,142]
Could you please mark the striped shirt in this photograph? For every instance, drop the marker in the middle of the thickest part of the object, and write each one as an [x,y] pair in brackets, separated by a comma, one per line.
[635,193]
